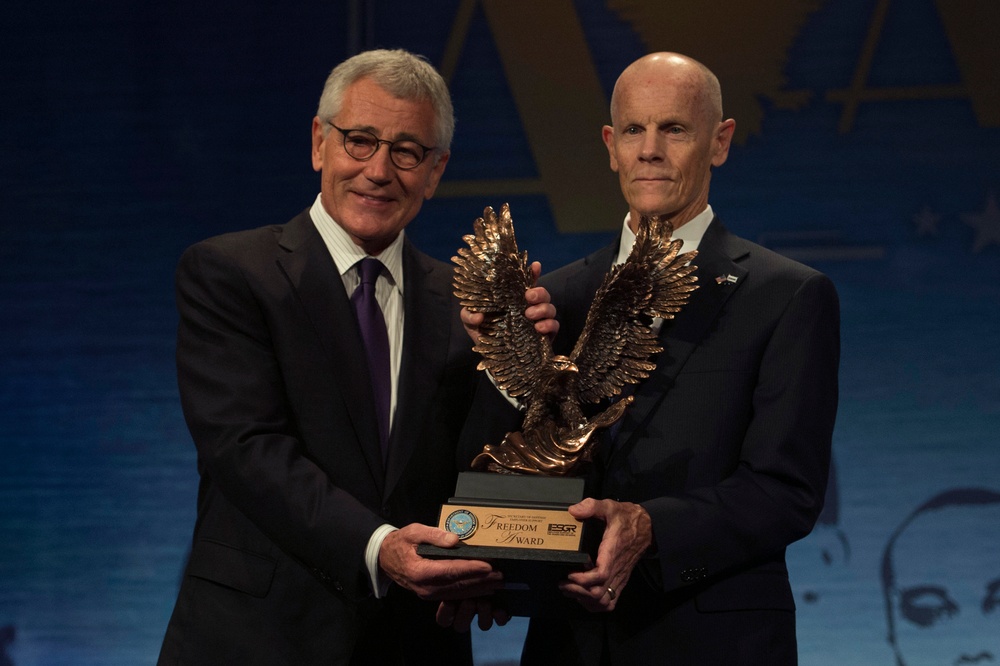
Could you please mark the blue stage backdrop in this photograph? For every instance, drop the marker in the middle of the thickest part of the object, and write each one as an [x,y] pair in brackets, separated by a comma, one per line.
[868,135]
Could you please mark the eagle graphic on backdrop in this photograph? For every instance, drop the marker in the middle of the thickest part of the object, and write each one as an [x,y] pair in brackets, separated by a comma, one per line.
[614,349]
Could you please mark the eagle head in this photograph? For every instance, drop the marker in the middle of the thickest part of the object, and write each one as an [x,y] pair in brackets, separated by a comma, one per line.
[562,363]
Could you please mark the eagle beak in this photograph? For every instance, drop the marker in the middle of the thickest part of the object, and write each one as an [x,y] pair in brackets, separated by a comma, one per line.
[563,364]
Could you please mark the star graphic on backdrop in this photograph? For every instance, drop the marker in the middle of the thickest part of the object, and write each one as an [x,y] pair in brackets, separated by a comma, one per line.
[986,224]
[926,222]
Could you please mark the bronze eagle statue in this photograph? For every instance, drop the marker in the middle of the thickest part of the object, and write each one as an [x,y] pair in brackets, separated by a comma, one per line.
[614,349]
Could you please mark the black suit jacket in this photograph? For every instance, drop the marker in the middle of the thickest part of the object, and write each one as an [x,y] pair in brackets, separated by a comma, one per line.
[275,391]
[727,446]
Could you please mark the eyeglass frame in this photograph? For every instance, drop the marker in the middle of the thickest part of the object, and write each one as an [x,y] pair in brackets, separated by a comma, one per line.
[378,144]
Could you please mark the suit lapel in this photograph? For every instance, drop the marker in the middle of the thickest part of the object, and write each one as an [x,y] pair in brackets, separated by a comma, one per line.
[317,283]
[427,306]
[680,337]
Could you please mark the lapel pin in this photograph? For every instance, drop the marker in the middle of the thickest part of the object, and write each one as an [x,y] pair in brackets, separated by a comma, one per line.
[726,279]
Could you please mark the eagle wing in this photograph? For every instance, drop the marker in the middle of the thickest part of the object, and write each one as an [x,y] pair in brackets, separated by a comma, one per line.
[617,342]
[491,277]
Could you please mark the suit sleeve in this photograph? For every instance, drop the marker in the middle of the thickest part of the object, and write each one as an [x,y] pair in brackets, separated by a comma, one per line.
[775,494]
[234,401]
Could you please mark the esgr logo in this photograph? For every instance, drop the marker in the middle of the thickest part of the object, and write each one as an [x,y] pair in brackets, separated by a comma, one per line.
[557,529]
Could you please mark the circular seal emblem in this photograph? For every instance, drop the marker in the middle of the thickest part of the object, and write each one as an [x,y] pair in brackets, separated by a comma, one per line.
[462,522]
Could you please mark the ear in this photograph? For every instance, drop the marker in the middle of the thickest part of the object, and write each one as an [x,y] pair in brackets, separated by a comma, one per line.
[723,138]
[608,134]
[318,143]
[434,177]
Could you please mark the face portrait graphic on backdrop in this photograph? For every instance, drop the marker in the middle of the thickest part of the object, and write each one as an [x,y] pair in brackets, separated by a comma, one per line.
[941,581]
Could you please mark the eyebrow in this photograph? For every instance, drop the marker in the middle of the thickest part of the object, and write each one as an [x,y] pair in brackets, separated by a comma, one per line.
[669,121]
[403,136]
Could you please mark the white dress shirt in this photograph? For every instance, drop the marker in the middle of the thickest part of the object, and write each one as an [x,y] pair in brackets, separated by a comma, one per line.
[690,233]
[389,293]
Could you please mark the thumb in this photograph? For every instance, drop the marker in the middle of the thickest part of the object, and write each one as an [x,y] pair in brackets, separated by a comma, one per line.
[584,509]
[440,538]
[536,271]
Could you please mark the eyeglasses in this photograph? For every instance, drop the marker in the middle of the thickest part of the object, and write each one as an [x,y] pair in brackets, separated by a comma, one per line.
[362,145]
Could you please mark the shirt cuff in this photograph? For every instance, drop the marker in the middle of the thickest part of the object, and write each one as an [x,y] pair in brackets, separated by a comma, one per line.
[513,401]
[380,584]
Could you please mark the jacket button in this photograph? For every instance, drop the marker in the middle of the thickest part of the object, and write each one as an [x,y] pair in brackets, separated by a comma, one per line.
[694,574]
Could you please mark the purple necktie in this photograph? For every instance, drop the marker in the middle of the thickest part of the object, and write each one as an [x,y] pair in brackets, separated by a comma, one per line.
[376,339]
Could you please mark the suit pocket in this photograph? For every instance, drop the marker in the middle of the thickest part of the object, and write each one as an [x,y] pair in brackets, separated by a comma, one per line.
[239,569]
[756,590]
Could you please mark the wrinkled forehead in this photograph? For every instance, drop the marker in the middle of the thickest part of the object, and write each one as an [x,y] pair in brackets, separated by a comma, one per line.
[646,95]
[369,106]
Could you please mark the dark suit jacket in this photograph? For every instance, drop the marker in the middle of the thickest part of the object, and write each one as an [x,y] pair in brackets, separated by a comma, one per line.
[276,395]
[727,446]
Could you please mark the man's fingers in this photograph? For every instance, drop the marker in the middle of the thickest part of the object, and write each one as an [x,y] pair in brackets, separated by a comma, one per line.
[446,612]
[458,614]
[536,295]
[547,327]
[445,586]
[500,616]
[585,509]
[587,578]
[458,573]
[463,615]
[471,587]
[439,538]
[539,312]
[595,598]
[470,318]
[415,533]
[434,579]
[472,321]
[484,609]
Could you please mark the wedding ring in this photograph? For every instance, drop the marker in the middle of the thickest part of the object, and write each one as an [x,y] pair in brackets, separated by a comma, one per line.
[611,592]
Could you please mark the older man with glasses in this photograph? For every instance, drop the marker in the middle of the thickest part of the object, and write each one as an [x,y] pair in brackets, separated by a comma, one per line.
[325,376]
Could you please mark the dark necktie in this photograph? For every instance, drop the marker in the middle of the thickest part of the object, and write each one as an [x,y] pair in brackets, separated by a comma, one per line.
[376,340]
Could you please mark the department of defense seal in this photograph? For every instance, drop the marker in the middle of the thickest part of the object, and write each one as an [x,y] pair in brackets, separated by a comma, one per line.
[462,522]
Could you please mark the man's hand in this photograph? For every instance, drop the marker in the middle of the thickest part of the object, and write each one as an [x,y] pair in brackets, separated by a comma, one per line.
[540,310]
[434,579]
[458,614]
[627,536]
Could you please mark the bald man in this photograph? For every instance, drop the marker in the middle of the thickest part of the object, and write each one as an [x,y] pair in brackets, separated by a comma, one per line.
[722,460]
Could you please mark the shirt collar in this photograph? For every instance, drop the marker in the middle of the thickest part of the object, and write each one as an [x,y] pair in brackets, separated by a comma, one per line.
[346,253]
[691,233]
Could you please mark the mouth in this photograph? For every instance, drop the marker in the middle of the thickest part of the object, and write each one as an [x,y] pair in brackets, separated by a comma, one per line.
[373,199]
[657,188]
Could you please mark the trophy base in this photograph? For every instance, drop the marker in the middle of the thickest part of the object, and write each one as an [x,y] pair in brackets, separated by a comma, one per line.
[520,525]
[569,558]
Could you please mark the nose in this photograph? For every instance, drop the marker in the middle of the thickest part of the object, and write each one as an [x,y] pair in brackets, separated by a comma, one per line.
[652,147]
[379,167]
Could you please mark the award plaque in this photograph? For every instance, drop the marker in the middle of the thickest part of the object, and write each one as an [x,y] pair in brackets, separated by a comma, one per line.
[520,524]
[501,514]
[511,510]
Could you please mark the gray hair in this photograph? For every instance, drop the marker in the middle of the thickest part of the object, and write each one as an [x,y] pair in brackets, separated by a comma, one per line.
[400,73]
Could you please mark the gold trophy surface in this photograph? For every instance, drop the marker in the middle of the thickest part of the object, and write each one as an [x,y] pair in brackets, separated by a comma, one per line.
[613,350]
[512,507]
